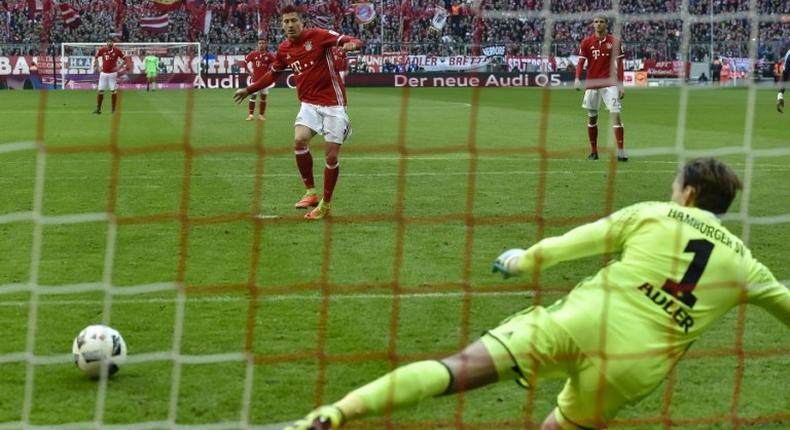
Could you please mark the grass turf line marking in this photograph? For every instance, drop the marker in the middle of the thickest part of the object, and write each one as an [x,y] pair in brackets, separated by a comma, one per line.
[275,298]
[17,146]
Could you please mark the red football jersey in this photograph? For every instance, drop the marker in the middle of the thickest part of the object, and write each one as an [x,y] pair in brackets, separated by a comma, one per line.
[310,58]
[599,54]
[258,63]
[110,59]
[341,59]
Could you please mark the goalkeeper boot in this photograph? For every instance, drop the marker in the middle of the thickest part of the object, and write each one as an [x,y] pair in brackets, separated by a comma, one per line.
[323,418]
[593,156]
[250,117]
[309,199]
[621,155]
[321,211]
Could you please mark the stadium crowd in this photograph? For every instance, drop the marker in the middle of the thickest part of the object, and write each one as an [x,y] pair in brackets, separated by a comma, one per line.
[408,25]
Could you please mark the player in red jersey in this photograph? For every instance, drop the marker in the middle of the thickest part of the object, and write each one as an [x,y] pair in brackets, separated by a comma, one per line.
[341,62]
[258,63]
[112,61]
[603,54]
[308,52]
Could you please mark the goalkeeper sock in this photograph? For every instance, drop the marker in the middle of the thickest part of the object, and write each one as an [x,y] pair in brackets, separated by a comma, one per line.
[592,133]
[304,162]
[618,136]
[330,179]
[403,386]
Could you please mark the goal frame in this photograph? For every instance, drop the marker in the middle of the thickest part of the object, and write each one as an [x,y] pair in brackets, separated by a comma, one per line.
[64,45]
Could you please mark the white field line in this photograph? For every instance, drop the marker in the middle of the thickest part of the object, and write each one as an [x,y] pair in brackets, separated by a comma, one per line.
[44,301]
[465,156]
[264,298]
[17,146]
[97,217]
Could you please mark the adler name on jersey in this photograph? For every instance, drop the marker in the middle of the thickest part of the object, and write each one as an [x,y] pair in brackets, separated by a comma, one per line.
[668,305]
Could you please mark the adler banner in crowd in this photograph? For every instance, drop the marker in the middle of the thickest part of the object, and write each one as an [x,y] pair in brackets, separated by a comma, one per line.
[389,63]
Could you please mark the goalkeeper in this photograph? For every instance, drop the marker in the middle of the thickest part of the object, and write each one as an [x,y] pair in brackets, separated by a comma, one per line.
[616,335]
[151,69]
[780,98]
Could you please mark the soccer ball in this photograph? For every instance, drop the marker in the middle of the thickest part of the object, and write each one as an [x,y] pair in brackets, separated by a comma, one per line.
[98,344]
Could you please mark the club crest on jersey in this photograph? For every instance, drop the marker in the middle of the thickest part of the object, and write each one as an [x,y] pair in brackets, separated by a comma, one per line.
[308,46]
[608,46]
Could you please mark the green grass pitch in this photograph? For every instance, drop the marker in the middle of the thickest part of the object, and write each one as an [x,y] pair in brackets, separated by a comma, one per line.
[405,161]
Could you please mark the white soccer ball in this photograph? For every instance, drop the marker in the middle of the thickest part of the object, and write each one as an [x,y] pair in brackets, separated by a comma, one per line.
[96,345]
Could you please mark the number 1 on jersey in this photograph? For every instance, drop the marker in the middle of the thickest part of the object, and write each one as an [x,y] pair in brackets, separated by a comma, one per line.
[683,290]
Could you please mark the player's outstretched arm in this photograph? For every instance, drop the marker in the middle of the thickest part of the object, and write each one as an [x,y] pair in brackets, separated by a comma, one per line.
[263,82]
[765,291]
[351,44]
[604,235]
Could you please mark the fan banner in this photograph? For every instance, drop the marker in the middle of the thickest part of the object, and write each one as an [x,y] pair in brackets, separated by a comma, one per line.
[155,24]
[439,19]
[364,13]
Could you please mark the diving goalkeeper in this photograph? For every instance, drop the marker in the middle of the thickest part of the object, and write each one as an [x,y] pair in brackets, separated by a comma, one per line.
[616,335]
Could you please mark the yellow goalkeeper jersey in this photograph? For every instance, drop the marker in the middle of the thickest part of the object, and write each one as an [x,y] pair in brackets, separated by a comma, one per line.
[151,64]
[679,271]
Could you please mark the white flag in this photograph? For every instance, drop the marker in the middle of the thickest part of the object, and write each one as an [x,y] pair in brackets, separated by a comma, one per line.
[439,19]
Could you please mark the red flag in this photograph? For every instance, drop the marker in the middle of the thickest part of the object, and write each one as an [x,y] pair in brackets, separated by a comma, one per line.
[155,24]
[166,5]
[120,12]
[70,15]
[199,17]
[34,6]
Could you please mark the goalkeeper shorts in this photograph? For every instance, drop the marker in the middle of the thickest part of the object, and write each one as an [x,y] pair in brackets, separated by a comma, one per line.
[541,348]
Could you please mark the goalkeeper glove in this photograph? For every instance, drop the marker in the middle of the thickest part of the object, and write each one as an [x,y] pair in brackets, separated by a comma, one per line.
[323,418]
[780,102]
[507,262]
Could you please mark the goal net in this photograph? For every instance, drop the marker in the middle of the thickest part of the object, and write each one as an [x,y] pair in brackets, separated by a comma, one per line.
[179,64]
[172,220]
